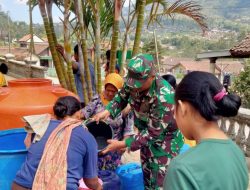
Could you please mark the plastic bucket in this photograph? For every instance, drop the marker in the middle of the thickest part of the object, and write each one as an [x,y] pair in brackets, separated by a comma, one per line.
[131,176]
[101,131]
[12,155]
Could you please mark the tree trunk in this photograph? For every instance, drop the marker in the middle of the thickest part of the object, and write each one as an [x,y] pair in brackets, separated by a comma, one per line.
[115,35]
[32,46]
[139,26]
[52,47]
[49,4]
[67,45]
[97,48]
[124,52]
[83,47]
[84,86]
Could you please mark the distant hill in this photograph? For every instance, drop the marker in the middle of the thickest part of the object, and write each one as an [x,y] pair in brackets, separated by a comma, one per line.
[229,9]
[232,15]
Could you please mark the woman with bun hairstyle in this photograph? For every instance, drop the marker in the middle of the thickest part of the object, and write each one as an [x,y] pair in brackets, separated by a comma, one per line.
[61,151]
[216,163]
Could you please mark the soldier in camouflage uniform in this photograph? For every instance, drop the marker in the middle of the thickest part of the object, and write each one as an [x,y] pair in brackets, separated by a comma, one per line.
[152,101]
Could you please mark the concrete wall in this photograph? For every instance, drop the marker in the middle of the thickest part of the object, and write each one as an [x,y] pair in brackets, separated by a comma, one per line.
[20,69]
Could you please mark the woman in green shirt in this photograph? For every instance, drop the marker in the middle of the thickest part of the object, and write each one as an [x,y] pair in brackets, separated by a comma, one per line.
[216,163]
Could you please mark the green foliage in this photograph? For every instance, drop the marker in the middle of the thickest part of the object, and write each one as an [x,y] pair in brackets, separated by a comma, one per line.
[17,29]
[242,85]
[149,47]
[188,45]
[179,75]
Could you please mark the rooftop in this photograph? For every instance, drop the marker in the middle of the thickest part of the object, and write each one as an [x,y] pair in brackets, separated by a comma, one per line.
[242,49]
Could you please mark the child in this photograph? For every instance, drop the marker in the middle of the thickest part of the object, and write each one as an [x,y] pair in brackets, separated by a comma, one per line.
[216,162]
[3,71]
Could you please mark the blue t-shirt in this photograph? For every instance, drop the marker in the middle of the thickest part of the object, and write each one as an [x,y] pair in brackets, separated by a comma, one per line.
[78,80]
[81,158]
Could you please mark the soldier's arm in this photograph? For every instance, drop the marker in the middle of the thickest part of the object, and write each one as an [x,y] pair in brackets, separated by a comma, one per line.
[160,118]
[119,102]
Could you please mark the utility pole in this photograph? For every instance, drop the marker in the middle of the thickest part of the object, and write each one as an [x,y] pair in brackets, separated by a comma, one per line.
[8,29]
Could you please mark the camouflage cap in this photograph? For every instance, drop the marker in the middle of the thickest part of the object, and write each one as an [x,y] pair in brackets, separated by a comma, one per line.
[140,68]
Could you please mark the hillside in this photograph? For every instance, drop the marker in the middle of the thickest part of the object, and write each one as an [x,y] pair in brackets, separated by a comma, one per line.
[230,9]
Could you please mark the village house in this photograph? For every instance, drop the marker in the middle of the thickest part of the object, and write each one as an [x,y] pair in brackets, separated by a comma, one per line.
[22,51]
[222,68]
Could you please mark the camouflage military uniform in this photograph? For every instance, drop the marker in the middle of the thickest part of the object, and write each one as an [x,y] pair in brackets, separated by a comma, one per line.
[158,139]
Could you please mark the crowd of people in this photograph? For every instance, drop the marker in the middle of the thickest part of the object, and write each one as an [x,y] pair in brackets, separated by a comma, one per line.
[162,111]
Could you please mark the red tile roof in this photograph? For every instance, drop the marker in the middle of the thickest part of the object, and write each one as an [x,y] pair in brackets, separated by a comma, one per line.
[21,53]
[242,49]
[227,66]
[168,62]
[40,47]
[196,66]
[25,38]
[28,37]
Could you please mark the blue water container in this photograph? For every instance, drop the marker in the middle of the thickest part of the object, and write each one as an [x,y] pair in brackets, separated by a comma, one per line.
[184,148]
[110,180]
[131,176]
[12,155]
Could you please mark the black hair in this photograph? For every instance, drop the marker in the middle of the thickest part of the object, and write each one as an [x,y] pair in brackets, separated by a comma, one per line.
[108,54]
[117,67]
[198,88]
[66,106]
[4,68]
[76,49]
[171,80]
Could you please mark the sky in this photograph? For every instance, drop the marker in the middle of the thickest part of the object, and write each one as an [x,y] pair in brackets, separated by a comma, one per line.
[19,11]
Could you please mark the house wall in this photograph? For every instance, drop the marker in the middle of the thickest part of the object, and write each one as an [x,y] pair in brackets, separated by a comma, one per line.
[20,69]
[178,70]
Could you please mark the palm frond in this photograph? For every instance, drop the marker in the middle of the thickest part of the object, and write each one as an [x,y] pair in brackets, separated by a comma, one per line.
[189,9]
